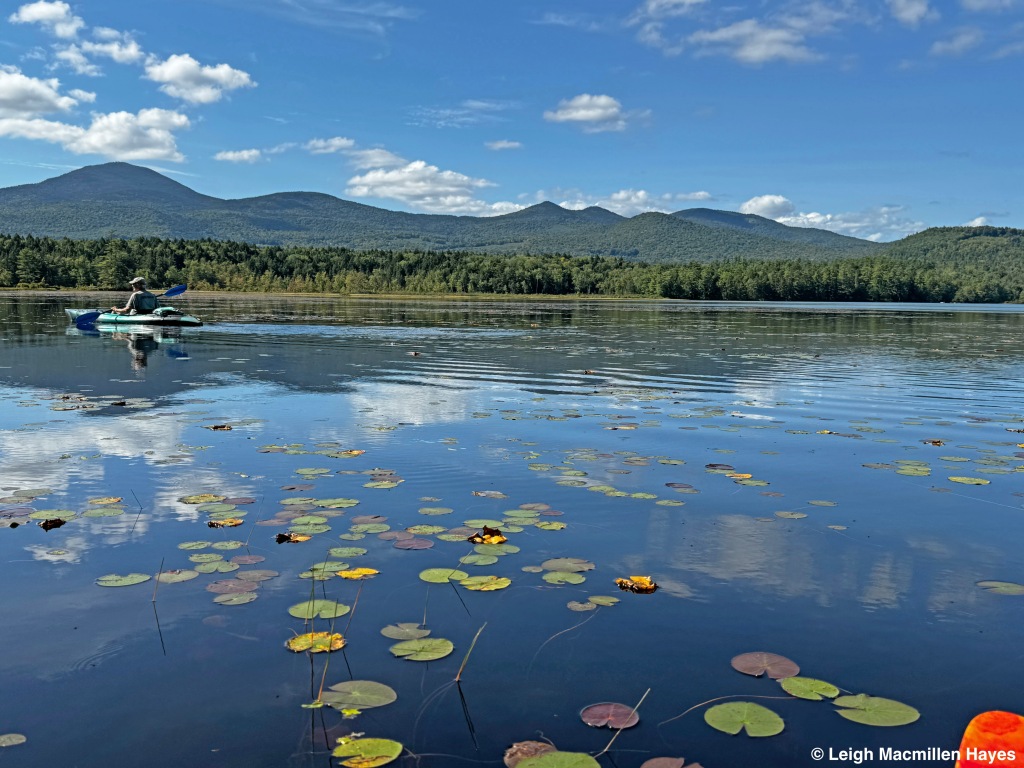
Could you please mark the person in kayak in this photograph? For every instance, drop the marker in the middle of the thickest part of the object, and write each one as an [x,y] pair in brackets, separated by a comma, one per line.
[141,302]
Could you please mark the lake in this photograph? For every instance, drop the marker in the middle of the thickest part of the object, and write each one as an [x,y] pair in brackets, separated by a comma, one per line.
[825,482]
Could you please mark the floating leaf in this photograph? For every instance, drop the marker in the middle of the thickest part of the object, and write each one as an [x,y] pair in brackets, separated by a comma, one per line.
[551,525]
[564,577]
[346,552]
[808,688]
[316,642]
[521,750]
[485,583]
[235,598]
[128,580]
[370,528]
[359,694]
[667,762]
[441,575]
[426,530]
[12,739]
[1002,587]
[201,498]
[476,559]
[226,545]
[382,484]
[413,543]
[969,480]
[576,605]
[423,649]
[759,662]
[229,586]
[177,576]
[247,559]
[735,716]
[641,585]
[405,631]
[791,515]
[206,557]
[436,511]
[292,538]
[558,759]
[603,600]
[325,609]
[609,714]
[106,500]
[874,710]
[219,566]
[230,522]
[256,575]
[367,753]
[571,564]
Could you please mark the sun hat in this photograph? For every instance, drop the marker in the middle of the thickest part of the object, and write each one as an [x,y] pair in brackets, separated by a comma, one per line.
[135,280]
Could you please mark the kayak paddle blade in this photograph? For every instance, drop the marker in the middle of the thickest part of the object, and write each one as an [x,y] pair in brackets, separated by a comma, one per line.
[175,291]
[84,322]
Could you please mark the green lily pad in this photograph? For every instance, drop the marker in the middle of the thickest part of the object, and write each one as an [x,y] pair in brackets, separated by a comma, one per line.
[309,520]
[969,480]
[496,549]
[12,739]
[312,471]
[216,507]
[352,536]
[235,598]
[485,583]
[603,600]
[808,688]
[481,522]
[53,514]
[563,577]
[338,503]
[176,576]
[227,545]
[450,537]
[370,528]
[128,580]
[426,530]
[576,605]
[441,575]
[1002,587]
[104,512]
[201,498]
[478,560]
[570,564]
[735,716]
[206,557]
[791,515]
[874,710]
[367,753]
[346,552]
[550,525]
[294,500]
[310,530]
[407,630]
[382,484]
[422,649]
[325,609]
[435,511]
[559,760]
[218,566]
[359,694]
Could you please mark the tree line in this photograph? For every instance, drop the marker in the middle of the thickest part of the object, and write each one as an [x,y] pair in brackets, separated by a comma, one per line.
[942,266]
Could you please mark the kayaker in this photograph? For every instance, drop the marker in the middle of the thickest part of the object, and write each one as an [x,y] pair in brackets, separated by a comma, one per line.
[141,302]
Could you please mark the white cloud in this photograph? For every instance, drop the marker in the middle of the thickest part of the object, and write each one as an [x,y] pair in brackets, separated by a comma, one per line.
[625,202]
[594,113]
[147,135]
[73,58]
[980,221]
[239,156]
[769,206]
[185,78]
[961,42]
[911,12]
[427,188]
[22,96]
[469,112]
[503,144]
[55,17]
[1011,49]
[329,146]
[118,46]
[79,95]
[571,20]
[362,159]
[751,43]
[887,222]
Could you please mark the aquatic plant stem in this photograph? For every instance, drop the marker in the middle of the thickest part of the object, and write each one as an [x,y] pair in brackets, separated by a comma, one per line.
[721,698]
[472,645]
[156,584]
[620,730]
[140,511]
[355,604]
[259,510]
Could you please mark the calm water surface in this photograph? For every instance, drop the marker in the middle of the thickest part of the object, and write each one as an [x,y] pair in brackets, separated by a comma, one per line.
[608,413]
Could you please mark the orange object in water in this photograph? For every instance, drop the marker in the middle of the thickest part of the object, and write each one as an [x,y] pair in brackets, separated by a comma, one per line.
[993,740]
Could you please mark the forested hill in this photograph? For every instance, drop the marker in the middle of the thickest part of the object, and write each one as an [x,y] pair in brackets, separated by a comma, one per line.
[126,201]
[982,264]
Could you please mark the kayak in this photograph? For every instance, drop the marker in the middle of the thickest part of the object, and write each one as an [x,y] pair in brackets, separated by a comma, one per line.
[161,317]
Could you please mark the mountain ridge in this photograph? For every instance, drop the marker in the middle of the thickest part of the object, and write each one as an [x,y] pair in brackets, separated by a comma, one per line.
[126,201]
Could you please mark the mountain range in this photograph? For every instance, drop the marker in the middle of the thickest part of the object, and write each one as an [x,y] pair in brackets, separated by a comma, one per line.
[128,201]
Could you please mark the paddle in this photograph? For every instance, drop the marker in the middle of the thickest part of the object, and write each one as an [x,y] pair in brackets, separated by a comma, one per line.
[85,321]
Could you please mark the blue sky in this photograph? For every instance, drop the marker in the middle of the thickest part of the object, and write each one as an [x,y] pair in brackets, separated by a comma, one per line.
[873,118]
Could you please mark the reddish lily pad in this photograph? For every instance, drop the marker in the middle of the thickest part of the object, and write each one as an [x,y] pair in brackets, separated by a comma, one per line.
[758,663]
[609,714]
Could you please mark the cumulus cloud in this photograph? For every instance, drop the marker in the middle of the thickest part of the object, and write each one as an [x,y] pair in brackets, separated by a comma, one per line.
[427,188]
[503,144]
[961,42]
[146,135]
[887,222]
[25,97]
[239,156]
[750,42]
[329,146]
[73,58]
[362,159]
[79,95]
[55,17]
[594,113]
[185,78]
[911,12]
[625,202]
[980,221]
[119,46]
[649,18]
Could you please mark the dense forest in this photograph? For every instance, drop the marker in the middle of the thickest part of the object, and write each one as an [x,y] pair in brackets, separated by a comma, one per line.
[953,264]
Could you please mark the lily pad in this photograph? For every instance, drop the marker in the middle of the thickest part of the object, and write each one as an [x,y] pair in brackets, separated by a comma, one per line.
[325,609]
[435,511]
[571,564]
[551,525]
[407,630]
[316,642]
[413,543]
[128,580]
[426,530]
[176,576]
[206,557]
[478,560]
[256,575]
[201,498]
[522,750]
[791,515]
[759,663]
[808,688]
[485,583]
[558,759]
[346,552]
[12,739]
[370,528]
[367,753]
[359,694]
[563,577]
[969,480]
[235,598]
[736,716]
[609,714]
[576,605]
[874,710]
[1002,587]
[603,600]
[441,575]
[422,649]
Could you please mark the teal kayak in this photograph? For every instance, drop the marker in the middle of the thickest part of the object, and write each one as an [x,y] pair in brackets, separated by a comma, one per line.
[162,317]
